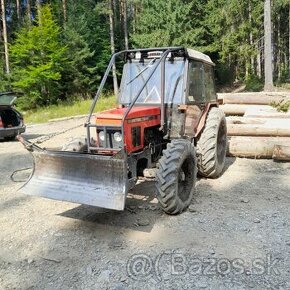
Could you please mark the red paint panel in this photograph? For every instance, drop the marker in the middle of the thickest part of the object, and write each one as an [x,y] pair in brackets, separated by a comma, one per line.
[135,112]
[150,117]
[128,133]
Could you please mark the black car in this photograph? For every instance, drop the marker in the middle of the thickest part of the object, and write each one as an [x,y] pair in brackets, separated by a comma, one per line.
[11,121]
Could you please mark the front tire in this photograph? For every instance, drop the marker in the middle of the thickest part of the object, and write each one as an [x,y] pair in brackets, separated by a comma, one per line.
[211,146]
[176,176]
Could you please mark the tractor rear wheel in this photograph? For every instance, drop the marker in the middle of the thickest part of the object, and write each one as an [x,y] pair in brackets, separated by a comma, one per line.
[176,176]
[211,146]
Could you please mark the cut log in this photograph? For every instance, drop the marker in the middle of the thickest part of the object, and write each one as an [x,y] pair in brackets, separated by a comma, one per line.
[257,130]
[240,110]
[244,120]
[281,152]
[261,98]
[267,115]
[254,147]
[253,100]
[265,112]
[274,123]
[270,116]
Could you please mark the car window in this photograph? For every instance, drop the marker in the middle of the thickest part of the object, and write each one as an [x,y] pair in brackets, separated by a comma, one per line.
[7,99]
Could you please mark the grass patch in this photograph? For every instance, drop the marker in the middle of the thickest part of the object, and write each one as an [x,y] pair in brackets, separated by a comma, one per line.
[66,109]
[282,106]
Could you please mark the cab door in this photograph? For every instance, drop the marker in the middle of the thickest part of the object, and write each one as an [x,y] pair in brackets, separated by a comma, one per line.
[195,96]
[200,92]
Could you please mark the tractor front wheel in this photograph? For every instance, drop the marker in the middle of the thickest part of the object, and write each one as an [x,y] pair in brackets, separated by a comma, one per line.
[176,176]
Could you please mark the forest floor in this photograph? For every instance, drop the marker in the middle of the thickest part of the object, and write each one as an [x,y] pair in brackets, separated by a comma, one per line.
[236,234]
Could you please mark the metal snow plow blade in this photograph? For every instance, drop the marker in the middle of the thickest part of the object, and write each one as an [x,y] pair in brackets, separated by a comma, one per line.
[81,178]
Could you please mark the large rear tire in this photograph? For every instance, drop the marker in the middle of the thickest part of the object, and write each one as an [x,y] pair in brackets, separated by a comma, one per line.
[211,146]
[176,176]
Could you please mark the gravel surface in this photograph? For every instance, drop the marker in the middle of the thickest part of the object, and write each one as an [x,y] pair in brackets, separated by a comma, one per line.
[235,235]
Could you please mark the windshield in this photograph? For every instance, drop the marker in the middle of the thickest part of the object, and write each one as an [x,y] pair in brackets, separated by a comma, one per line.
[7,99]
[136,73]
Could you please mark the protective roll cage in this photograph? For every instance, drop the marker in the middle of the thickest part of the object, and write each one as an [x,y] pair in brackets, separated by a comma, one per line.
[161,60]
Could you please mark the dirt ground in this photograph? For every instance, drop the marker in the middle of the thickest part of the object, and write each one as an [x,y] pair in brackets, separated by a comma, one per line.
[236,234]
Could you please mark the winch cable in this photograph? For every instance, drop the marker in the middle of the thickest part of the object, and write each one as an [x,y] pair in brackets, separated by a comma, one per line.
[39,141]
[18,170]
[49,136]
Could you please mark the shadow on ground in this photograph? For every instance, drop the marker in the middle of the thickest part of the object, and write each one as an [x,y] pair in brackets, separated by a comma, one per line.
[140,201]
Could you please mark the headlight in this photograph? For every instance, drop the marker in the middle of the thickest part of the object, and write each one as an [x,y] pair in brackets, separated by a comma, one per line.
[118,137]
[102,135]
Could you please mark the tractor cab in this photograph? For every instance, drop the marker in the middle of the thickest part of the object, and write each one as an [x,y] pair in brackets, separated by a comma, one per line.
[137,69]
[172,90]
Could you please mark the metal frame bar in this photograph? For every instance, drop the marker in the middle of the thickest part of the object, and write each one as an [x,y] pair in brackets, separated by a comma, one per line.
[166,51]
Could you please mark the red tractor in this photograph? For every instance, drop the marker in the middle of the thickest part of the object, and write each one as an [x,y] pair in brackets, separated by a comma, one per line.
[167,122]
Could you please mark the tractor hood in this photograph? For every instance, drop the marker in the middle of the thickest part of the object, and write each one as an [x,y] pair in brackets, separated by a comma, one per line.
[114,117]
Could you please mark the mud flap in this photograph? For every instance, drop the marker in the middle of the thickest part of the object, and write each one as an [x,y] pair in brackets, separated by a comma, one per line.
[90,179]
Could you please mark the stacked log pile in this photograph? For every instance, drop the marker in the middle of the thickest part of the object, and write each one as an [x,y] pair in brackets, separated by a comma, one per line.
[255,128]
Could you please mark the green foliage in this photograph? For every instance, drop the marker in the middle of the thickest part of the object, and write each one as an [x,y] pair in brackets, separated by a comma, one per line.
[38,59]
[254,84]
[231,26]
[282,106]
[224,74]
[5,84]
[88,43]
[78,73]
[55,60]
[169,23]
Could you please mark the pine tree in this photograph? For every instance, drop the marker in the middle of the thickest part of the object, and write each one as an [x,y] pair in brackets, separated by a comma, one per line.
[88,45]
[38,59]
[169,23]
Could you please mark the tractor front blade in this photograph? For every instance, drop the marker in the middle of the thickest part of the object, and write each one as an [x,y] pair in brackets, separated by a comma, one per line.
[79,177]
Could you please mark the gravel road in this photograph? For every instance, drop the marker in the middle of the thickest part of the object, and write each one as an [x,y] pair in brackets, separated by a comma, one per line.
[236,234]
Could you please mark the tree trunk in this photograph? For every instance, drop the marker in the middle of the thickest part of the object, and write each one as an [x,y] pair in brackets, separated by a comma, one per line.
[125,18]
[134,15]
[240,110]
[28,10]
[5,38]
[38,6]
[253,98]
[265,122]
[64,8]
[251,39]
[18,9]
[254,147]
[289,46]
[281,152]
[259,68]
[257,130]
[278,49]
[112,40]
[268,47]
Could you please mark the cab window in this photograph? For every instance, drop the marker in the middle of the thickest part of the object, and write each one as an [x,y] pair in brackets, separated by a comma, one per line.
[196,90]
[209,83]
